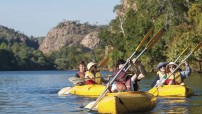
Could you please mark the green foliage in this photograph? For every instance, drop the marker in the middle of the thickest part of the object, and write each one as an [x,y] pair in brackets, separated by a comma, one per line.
[182,20]
[7,60]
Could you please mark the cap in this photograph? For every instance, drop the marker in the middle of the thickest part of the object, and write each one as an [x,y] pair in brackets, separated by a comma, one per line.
[161,64]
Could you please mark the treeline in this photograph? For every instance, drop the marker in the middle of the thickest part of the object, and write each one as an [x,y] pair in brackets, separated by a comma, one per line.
[19,56]
[19,52]
[182,20]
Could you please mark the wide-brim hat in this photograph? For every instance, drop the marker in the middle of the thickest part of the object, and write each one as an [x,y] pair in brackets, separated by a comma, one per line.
[90,65]
[161,64]
[171,63]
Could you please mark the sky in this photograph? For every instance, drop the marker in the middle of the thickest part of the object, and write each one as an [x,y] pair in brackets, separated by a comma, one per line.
[37,17]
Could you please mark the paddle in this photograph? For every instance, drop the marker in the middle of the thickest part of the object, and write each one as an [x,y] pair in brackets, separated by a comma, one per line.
[82,79]
[108,85]
[196,48]
[75,80]
[161,80]
[105,60]
[64,91]
[182,53]
[152,42]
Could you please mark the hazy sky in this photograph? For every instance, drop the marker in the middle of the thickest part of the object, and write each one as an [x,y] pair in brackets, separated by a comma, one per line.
[37,17]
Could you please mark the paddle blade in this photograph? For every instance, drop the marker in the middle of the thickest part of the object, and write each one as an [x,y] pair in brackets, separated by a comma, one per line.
[76,80]
[145,38]
[90,105]
[103,62]
[154,91]
[198,46]
[64,91]
[155,38]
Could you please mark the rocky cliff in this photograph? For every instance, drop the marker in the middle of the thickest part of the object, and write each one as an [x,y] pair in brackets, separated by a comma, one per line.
[69,33]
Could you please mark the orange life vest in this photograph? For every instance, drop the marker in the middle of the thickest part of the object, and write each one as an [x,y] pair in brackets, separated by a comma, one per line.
[92,77]
[176,77]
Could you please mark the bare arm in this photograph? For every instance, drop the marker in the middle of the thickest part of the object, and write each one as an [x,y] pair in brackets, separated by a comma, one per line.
[140,68]
[134,68]
[187,70]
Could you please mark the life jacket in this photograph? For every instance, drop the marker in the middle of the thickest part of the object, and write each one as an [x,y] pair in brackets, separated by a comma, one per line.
[160,74]
[123,81]
[121,77]
[91,75]
[81,74]
[176,77]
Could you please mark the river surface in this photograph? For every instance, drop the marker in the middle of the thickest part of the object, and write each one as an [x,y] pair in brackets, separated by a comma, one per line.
[35,92]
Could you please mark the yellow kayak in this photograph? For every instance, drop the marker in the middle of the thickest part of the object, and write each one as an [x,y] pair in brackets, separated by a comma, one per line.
[172,91]
[93,90]
[126,102]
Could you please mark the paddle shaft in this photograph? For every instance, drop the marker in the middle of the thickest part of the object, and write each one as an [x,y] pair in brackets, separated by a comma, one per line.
[171,72]
[197,47]
[150,43]
[181,54]
[90,78]
[110,82]
[137,58]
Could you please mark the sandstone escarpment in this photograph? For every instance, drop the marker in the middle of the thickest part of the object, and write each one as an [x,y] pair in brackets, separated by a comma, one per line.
[69,33]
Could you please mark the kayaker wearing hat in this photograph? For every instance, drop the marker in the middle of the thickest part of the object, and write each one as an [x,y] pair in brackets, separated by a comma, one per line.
[178,76]
[161,72]
[93,76]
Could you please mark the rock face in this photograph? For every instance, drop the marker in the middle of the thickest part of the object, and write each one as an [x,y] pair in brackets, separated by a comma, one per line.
[90,40]
[124,6]
[69,33]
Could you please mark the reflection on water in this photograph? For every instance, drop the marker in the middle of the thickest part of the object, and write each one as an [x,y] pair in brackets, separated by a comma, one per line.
[171,105]
[36,92]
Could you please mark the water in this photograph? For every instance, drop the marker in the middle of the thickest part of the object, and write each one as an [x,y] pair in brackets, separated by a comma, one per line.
[36,92]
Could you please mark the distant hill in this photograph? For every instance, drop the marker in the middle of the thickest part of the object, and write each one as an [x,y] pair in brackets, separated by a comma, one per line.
[15,36]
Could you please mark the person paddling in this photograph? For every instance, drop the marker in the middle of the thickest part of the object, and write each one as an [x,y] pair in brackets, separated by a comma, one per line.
[161,73]
[93,75]
[78,79]
[82,70]
[124,81]
[177,77]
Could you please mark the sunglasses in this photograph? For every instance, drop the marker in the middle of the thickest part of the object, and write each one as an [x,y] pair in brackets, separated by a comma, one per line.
[163,66]
[172,67]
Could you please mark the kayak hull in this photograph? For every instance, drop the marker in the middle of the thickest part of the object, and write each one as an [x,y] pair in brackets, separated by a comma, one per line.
[93,90]
[172,91]
[126,102]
